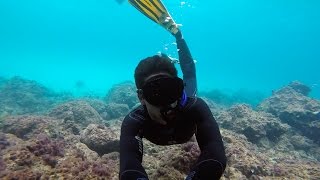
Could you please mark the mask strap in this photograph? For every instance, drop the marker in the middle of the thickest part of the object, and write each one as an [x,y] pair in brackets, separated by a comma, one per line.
[183,99]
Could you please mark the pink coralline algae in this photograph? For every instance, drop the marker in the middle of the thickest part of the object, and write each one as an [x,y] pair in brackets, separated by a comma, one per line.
[100,169]
[85,169]
[3,144]
[29,126]
[48,149]
[3,141]
[25,174]
[187,157]
[2,164]
[192,148]
[21,157]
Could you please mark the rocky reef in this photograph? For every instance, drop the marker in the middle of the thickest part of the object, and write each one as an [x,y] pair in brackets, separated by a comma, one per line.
[123,93]
[228,99]
[19,96]
[73,138]
[292,106]
[2,81]
[76,112]
[256,126]
[100,139]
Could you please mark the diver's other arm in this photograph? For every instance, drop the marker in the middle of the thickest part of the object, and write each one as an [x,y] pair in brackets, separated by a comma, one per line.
[131,152]
[187,65]
[212,160]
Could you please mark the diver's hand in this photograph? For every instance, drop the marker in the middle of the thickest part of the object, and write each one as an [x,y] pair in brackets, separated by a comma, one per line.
[168,23]
[178,35]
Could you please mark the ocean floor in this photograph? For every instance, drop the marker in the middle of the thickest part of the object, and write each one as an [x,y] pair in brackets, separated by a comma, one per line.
[50,135]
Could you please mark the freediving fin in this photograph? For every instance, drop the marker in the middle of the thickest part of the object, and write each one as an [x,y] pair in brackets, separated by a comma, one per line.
[156,11]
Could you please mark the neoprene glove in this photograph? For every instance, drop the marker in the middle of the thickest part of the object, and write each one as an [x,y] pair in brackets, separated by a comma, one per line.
[168,23]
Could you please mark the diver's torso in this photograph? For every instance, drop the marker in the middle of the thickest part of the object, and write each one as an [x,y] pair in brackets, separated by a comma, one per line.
[177,131]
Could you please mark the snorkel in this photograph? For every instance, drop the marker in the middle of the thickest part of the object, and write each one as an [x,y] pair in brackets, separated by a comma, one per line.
[176,106]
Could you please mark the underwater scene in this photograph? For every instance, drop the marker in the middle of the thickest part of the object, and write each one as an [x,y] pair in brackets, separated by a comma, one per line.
[67,83]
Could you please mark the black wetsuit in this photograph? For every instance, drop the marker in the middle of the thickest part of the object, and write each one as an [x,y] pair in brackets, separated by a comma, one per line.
[194,117]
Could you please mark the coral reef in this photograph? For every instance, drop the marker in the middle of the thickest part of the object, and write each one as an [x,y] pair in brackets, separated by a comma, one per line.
[184,159]
[254,125]
[100,139]
[123,93]
[247,161]
[3,141]
[164,173]
[78,112]
[73,167]
[214,107]
[292,106]
[19,96]
[117,110]
[241,155]
[84,152]
[47,158]
[108,111]
[100,106]
[21,156]
[25,174]
[2,81]
[2,165]
[300,88]
[228,99]
[47,148]
[169,162]
[3,144]
[80,138]
[25,126]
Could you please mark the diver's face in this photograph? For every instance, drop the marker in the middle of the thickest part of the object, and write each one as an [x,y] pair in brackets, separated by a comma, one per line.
[155,111]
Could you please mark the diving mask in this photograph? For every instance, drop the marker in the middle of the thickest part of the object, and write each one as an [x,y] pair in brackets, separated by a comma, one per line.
[163,91]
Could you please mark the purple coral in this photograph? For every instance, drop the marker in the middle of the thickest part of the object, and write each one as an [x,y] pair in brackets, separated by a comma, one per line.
[3,141]
[191,148]
[50,160]
[84,165]
[21,157]
[45,145]
[279,171]
[48,149]
[100,170]
[2,164]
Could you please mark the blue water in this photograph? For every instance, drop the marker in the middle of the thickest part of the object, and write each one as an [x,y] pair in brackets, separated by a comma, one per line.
[240,44]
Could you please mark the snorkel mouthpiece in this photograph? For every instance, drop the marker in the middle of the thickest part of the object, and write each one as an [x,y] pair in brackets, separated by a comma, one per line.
[164,110]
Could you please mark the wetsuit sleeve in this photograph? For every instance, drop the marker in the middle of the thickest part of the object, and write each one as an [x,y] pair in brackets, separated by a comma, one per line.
[212,160]
[187,66]
[131,151]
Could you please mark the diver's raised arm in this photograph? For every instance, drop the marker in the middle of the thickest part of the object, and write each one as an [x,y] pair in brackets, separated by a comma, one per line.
[187,65]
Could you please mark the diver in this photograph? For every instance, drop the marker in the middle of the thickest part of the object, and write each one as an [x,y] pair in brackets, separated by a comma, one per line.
[170,113]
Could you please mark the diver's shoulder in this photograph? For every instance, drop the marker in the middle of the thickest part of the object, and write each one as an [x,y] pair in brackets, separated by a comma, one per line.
[190,102]
[136,115]
[194,101]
